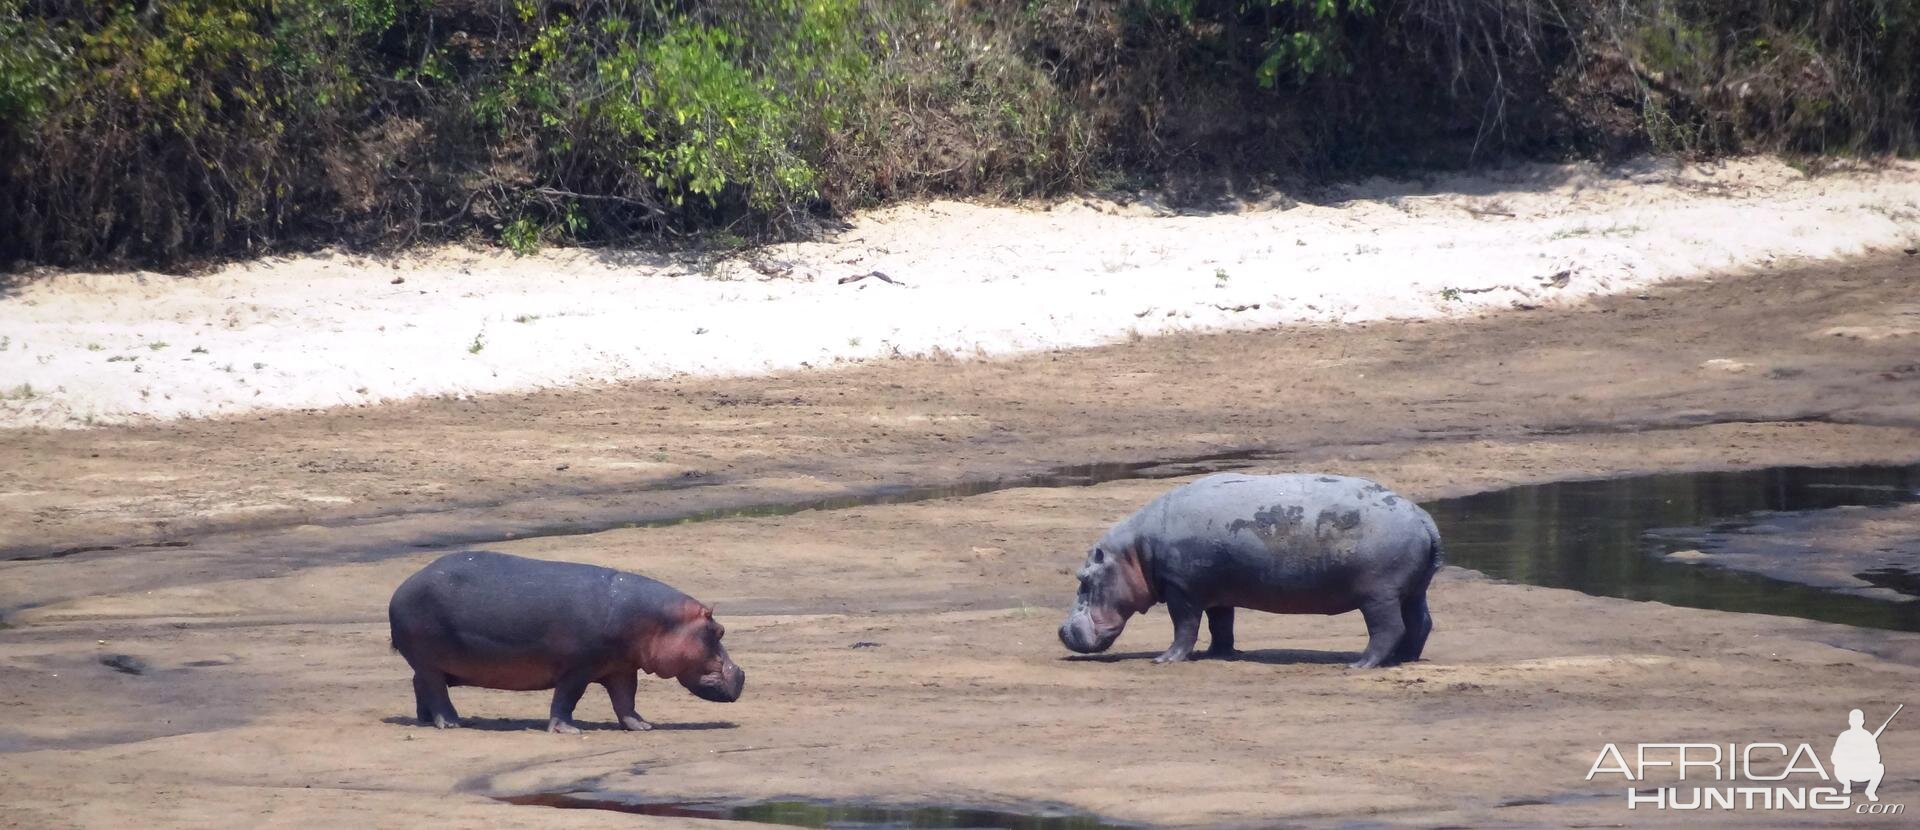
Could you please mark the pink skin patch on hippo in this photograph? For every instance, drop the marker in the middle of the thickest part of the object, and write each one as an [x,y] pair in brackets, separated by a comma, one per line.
[519,675]
[1134,596]
[678,647]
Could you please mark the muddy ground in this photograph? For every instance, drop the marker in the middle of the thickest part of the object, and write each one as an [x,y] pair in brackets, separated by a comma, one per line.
[266,695]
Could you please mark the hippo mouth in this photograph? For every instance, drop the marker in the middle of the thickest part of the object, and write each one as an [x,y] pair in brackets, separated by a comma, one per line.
[723,686]
[1081,635]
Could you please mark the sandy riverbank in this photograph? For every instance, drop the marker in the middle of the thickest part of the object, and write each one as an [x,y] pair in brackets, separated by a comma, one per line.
[335,330]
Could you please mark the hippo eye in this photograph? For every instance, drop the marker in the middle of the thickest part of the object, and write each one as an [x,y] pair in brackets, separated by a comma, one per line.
[1099,556]
[719,631]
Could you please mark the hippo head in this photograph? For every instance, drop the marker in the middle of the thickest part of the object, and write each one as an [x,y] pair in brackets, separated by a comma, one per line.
[690,651]
[1113,587]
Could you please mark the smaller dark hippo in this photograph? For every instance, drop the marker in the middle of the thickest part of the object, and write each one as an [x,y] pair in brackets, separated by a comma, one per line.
[478,618]
[1285,544]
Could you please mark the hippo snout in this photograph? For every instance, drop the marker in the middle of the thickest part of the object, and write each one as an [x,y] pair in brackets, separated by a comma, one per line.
[1079,635]
[722,687]
[1067,638]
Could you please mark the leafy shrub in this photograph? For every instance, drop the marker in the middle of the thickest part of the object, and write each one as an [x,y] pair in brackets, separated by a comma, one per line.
[162,130]
[1788,75]
[635,115]
[163,133]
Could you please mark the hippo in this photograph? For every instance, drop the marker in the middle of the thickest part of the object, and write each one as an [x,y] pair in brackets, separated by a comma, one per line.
[1285,544]
[478,618]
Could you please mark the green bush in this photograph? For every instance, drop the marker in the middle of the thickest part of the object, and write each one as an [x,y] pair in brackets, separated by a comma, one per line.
[165,133]
[32,69]
[639,114]
[1789,75]
[158,131]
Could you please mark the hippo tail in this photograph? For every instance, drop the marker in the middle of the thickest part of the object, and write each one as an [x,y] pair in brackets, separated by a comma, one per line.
[1436,552]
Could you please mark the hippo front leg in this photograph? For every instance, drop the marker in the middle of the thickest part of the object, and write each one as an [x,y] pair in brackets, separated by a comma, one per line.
[621,687]
[1186,631]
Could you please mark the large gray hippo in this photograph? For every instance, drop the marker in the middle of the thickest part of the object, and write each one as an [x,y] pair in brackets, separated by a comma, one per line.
[1285,544]
[477,618]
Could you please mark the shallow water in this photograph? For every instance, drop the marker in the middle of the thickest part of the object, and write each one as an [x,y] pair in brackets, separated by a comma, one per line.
[1607,537]
[795,812]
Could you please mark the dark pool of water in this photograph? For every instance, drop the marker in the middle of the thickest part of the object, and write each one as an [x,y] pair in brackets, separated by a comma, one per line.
[1594,537]
[794,812]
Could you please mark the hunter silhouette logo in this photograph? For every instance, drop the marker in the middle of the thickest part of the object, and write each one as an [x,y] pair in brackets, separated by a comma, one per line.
[1856,754]
[1755,776]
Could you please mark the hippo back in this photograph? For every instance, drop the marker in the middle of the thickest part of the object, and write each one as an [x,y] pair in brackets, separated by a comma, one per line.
[493,601]
[1321,520]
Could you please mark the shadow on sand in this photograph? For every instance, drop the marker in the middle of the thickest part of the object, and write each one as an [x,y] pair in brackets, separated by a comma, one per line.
[540,725]
[1269,656]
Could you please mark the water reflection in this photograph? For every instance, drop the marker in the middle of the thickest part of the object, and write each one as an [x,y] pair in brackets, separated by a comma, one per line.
[1592,536]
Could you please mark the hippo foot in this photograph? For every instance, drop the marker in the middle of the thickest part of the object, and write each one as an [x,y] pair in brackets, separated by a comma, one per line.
[1367,663]
[633,723]
[1217,653]
[1173,657]
[445,723]
[560,727]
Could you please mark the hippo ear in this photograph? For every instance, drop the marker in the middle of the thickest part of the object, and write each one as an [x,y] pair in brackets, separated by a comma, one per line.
[706,613]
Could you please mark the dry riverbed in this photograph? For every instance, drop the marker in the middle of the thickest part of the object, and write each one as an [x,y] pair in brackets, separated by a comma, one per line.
[259,690]
[275,700]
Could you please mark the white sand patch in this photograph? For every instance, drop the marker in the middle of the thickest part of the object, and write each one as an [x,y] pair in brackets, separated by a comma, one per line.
[324,330]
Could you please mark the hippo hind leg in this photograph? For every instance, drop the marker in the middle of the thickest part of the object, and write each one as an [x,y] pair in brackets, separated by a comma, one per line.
[1385,630]
[1419,623]
[431,703]
[1220,632]
[566,695]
